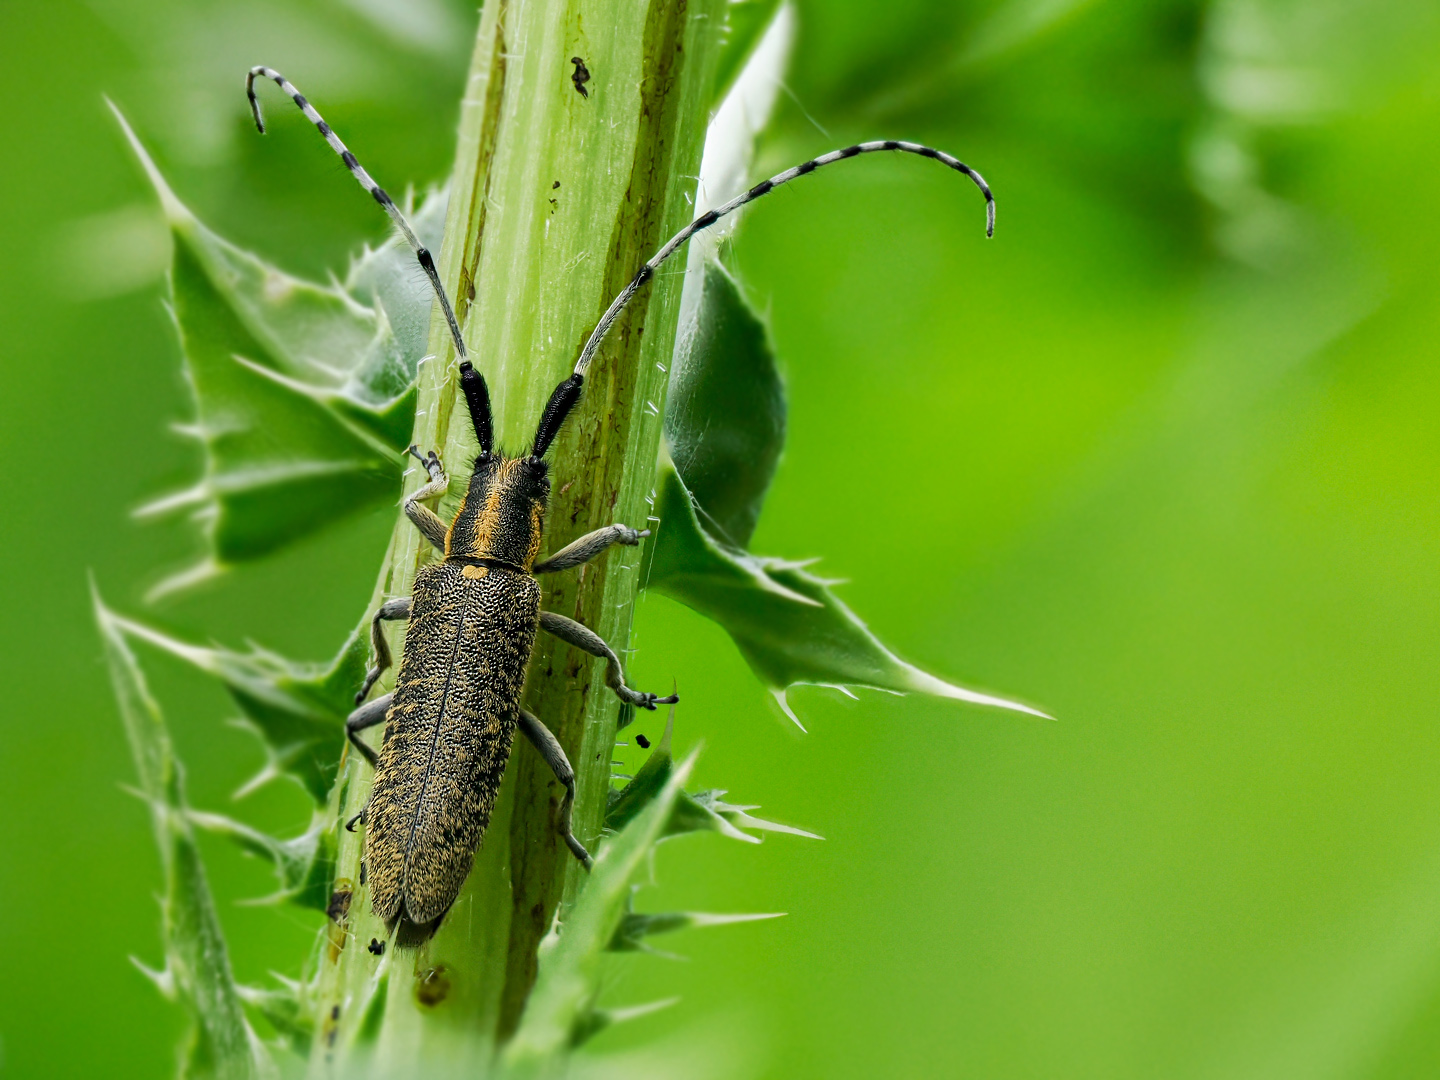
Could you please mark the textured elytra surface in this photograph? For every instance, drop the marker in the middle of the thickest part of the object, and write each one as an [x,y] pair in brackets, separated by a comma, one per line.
[448,734]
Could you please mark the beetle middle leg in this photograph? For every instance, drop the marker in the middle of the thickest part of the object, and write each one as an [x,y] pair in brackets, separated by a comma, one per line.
[367,716]
[554,755]
[590,545]
[391,611]
[582,637]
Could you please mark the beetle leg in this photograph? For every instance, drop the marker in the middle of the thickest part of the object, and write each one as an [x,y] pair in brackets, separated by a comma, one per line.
[367,716]
[554,755]
[590,545]
[423,518]
[582,637]
[391,611]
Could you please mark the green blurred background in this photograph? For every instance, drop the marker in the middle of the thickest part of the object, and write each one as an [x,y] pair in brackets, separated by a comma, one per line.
[1161,458]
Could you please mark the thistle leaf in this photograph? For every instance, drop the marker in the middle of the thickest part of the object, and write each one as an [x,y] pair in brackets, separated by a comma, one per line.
[197,963]
[303,392]
[787,623]
[388,279]
[707,811]
[597,1020]
[305,865]
[636,926]
[570,954]
[725,411]
[286,1009]
[297,710]
[692,813]
[648,782]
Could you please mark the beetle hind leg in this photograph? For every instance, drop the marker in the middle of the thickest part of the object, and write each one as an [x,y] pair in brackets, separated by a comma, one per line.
[582,637]
[554,754]
[388,612]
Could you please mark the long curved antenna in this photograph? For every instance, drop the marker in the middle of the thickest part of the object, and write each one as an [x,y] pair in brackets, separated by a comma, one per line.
[358,171]
[705,220]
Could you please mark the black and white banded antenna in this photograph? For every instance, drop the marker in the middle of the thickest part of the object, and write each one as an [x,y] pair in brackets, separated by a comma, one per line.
[358,171]
[710,217]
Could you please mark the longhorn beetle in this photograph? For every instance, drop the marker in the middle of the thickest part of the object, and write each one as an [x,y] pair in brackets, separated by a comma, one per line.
[451,719]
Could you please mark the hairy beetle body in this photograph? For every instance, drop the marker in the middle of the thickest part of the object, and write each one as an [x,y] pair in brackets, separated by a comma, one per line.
[452,717]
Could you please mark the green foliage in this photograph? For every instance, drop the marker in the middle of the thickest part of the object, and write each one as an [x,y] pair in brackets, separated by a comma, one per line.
[286,1009]
[636,926]
[725,409]
[296,710]
[303,393]
[598,1019]
[786,621]
[563,1011]
[745,23]
[725,426]
[304,396]
[570,955]
[197,965]
[1170,452]
[304,865]
[705,811]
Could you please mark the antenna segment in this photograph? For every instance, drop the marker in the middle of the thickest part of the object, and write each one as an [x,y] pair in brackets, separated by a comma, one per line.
[358,171]
[705,220]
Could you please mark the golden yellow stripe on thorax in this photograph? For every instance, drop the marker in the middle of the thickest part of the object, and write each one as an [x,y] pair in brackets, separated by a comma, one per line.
[488,521]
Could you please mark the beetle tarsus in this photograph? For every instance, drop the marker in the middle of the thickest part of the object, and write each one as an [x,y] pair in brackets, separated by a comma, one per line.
[431,461]
[649,701]
[424,518]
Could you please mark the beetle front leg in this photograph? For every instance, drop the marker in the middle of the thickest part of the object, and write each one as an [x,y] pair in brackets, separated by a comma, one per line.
[367,716]
[554,755]
[423,517]
[389,612]
[590,545]
[582,637]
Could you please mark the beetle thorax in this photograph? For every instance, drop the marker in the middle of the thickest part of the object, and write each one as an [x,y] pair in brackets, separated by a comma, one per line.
[502,516]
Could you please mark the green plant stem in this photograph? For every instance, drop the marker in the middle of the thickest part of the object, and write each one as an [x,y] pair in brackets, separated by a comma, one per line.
[556,200]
